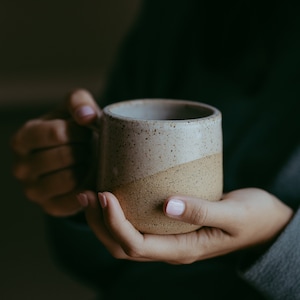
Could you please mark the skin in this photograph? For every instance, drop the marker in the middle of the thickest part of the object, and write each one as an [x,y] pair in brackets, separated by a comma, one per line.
[50,163]
[245,219]
[52,154]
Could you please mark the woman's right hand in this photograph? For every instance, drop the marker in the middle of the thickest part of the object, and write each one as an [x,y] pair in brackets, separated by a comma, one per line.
[53,154]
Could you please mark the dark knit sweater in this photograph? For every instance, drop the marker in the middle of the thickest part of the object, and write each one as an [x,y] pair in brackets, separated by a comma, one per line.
[244,58]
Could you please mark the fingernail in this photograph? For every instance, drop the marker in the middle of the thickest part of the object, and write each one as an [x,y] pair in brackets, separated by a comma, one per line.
[82,199]
[85,111]
[102,200]
[175,207]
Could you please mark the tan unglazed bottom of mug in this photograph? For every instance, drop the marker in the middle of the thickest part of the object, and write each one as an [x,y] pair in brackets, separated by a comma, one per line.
[142,200]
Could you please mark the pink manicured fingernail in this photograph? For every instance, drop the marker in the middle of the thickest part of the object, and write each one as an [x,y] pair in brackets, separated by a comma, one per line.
[175,207]
[102,200]
[83,199]
[85,111]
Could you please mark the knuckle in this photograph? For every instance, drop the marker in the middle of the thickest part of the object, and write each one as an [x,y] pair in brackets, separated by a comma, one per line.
[133,251]
[17,140]
[189,260]
[57,132]
[51,160]
[198,215]
[32,194]
[30,124]
[116,253]
[77,96]
[20,171]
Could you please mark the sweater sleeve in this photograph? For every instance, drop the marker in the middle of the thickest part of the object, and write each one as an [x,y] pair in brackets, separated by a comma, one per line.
[276,273]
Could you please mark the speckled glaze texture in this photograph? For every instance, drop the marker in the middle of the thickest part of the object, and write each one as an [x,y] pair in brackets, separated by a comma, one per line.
[154,148]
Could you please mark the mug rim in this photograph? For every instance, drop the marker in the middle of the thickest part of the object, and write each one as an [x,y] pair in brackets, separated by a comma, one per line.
[109,109]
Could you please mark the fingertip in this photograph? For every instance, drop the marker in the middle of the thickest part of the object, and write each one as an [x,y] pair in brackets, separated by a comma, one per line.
[82,199]
[102,200]
[109,202]
[85,114]
[83,107]
[174,207]
[87,199]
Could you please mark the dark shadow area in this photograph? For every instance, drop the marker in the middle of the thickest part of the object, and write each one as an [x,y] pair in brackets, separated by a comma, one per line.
[46,49]
[28,270]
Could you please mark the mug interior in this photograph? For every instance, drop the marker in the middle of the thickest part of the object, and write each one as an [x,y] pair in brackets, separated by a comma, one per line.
[160,109]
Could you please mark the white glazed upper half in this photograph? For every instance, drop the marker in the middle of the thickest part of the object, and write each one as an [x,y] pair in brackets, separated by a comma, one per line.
[137,141]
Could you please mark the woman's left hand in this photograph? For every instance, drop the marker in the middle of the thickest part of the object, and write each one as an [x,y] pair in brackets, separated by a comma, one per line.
[242,219]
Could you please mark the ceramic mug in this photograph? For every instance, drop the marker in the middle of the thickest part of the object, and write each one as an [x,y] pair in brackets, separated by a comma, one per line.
[151,149]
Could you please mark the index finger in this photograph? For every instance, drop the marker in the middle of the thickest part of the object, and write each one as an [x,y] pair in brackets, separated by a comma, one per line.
[138,246]
[83,108]
[41,134]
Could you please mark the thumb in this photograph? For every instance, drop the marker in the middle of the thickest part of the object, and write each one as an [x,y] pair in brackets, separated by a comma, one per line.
[83,108]
[200,212]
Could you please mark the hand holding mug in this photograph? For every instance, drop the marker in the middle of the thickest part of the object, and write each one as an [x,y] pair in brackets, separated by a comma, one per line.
[244,219]
[153,148]
[53,153]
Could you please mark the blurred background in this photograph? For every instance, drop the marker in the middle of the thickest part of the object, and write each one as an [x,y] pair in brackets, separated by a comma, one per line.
[47,48]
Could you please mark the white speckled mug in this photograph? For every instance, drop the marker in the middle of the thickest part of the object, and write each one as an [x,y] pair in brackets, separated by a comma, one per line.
[151,149]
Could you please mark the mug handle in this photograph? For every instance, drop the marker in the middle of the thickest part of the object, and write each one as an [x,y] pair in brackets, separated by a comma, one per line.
[91,179]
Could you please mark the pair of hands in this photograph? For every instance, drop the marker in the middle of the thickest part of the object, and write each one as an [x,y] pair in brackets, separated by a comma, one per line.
[53,162]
